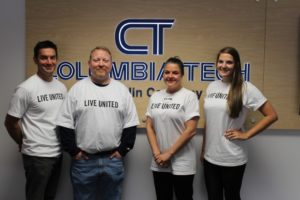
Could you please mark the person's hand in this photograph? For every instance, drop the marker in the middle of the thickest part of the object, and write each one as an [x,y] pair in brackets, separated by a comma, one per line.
[163,159]
[233,134]
[81,156]
[115,154]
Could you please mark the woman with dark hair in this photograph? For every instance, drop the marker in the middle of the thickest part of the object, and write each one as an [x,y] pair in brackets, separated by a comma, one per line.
[172,117]
[226,105]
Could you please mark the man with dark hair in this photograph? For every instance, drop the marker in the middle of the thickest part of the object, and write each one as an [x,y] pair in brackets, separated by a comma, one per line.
[30,122]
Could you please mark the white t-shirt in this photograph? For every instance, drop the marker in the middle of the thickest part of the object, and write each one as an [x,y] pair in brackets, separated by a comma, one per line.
[98,114]
[36,102]
[169,112]
[218,149]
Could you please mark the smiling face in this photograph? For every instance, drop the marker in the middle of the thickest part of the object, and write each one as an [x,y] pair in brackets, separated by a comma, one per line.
[100,65]
[46,62]
[172,77]
[225,66]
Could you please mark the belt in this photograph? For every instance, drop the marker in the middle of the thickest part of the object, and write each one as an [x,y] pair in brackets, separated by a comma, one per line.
[101,153]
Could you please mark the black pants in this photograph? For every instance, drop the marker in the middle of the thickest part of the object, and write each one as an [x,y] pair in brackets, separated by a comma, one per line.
[166,183]
[223,181]
[42,176]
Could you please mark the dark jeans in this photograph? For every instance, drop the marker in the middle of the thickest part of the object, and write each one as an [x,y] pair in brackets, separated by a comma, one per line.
[42,176]
[223,181]
[165,183]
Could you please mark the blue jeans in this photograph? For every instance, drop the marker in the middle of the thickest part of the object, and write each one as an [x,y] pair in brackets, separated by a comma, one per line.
[97,177]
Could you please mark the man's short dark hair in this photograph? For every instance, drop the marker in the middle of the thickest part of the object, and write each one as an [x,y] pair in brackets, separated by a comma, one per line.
[43,45]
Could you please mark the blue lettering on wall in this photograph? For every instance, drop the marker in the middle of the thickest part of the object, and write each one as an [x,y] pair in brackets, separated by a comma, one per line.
[207,72]
[190,67]
[138,71]
[122,73]
[66,71]
[157,26]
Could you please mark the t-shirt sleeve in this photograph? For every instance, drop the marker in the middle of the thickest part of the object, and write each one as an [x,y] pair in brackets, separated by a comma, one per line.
[148,111]
[191,107]
[19,103]
[131,116]
[254,98]
[66,114]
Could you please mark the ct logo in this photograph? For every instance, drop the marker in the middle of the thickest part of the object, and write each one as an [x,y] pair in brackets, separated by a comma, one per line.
[157,26]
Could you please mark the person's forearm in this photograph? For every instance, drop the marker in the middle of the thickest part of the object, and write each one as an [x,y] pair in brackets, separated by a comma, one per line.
[151,135]
[16,134]
[270,116]
[187,135]
[68,140]
[127,140]
[14,130]
[260,126]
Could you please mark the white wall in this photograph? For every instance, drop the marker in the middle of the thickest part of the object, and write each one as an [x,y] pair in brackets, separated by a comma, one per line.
[272,172]
[12,59]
